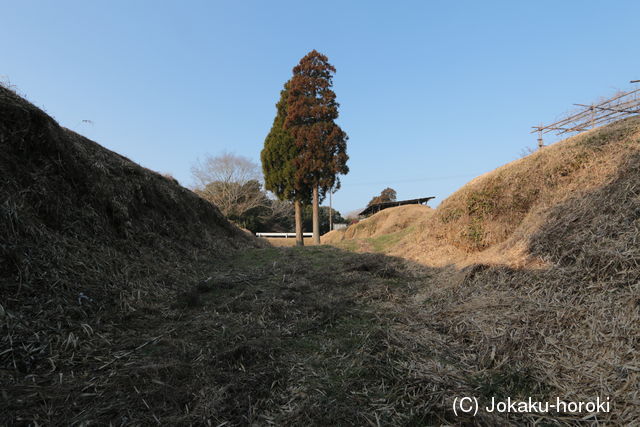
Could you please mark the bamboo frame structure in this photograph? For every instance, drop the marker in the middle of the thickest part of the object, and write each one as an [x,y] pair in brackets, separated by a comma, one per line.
[619,106]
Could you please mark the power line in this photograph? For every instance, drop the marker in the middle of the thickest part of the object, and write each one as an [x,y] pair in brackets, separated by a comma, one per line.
[433,178]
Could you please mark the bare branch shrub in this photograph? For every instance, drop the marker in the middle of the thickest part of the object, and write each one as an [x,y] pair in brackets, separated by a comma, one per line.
[232,183]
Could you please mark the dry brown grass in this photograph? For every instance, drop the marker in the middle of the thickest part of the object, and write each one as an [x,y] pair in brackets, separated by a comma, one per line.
[387,221]
[537,292]
[491,218]
[92,247]
[288,242]
[381,231]
[123,300]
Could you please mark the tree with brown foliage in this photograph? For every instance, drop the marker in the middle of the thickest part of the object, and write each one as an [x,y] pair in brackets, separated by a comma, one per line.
[311,113]
[278,164]
[386,195]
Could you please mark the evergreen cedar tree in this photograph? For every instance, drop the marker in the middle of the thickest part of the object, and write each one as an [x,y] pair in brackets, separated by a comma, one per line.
[387,195]
[311,111]
[305,149]
[278,157]
[278,164]
[322,145]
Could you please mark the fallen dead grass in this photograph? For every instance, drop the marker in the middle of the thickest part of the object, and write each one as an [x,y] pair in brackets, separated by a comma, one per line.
[536,288]
[124,301]
[91,247]
[491,218]
[288,242]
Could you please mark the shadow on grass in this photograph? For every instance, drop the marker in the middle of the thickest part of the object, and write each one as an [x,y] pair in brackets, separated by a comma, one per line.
[323,336]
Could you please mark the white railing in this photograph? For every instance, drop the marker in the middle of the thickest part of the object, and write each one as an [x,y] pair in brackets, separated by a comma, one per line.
[285,235]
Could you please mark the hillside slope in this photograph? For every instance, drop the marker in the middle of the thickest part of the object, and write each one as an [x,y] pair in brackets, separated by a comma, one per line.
[91,245]
[493,217]
[536,278]
[552,308]
[386,221]
[381,230]
[123,301]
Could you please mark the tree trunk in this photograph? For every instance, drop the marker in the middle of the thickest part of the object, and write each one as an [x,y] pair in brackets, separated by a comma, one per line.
[316,217]
[330,210]
[299,236]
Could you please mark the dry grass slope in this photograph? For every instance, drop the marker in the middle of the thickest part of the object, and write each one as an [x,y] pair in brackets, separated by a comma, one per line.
[380,231]
[492,217]
[384,222]
[92,246]
[538,279]
[123,301]
[569,329]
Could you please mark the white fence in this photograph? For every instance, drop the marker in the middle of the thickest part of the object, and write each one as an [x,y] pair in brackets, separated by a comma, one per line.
[284,235]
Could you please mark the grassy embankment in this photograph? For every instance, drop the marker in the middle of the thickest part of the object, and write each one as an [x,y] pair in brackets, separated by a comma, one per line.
[128,300]
[538,270]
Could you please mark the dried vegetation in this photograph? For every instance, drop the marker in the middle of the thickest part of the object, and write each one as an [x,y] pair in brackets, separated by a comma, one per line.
[537,287]
[91,248]
[497,212]
[124,301]
[380,232]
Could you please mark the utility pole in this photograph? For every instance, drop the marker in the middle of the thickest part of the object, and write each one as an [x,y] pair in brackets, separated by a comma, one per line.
[330,210]
[540,141]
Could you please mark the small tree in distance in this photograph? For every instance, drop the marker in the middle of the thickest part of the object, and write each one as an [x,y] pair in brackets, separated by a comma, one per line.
[232,183]
[386,195]
[325,211]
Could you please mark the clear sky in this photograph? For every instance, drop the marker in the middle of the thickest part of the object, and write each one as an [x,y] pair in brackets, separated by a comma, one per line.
[432,93]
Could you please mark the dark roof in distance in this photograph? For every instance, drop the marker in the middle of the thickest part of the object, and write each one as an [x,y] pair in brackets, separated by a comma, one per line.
[384,205]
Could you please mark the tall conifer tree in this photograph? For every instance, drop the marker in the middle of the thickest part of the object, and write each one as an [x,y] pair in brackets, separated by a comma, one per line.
[278,164]
[310,118]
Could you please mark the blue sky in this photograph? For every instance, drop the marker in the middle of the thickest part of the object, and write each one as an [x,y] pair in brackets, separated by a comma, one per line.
[432,93]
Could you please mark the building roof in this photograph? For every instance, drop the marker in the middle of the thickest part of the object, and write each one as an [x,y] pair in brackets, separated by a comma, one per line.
[384,205]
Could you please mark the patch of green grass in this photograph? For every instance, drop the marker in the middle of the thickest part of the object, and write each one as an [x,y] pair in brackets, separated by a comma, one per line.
[481,203]
[475,233]
[387,241]
[450,215]
[349,245]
